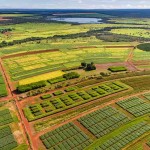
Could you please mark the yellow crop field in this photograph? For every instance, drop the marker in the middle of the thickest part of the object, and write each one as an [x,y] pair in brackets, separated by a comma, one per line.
[34,67]
[42,77]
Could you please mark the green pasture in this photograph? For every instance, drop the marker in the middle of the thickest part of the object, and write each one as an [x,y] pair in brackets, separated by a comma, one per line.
[133,32]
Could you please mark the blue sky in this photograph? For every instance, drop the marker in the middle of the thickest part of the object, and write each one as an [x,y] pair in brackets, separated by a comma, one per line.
[77,4]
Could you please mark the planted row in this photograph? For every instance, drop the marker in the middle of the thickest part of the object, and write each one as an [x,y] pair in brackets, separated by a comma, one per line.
[72,99]
[66,137]
[136,106]
[103,121]
[130,134]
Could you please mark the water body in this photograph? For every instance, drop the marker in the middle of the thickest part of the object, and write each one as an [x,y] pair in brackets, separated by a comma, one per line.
[78,20]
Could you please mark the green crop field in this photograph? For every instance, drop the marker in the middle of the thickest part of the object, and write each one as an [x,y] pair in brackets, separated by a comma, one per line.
[135,106]
[66,137]
[5,117]
[3,91]
[7,140]
[132,32]
[123,138]
[65,101]
[22,67]
[103,121]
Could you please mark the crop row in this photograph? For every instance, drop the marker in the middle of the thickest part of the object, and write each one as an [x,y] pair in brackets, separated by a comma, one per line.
[26,66]
[135,106]
[68,137]
[125,137]
[62,102]
[7,140]
[3,91]
[103,121]
[147,95]
[5,117]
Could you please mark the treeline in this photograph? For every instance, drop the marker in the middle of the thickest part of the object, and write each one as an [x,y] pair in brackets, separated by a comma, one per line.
[102,34]
[5,30]
[29,87]
[112,37]
[144,47]
[14,42]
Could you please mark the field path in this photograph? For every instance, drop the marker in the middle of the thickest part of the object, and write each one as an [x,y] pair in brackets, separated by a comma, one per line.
[129,60]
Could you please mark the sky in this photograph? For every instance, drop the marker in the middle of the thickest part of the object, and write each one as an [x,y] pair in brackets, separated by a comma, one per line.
[75,4]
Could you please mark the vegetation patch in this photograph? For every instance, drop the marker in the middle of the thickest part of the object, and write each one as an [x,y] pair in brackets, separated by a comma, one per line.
[69,100]
[136,106]
[5,117]
[7,140]
[29,87]
[71,75]
[144,47]
[123,138]
[117,68]
[56,80]
[103,121]
[67,136]
[41,77]
[3,91]
[46,96]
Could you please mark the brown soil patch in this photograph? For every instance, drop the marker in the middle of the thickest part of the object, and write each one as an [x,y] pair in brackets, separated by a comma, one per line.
[18,136]
[3,19]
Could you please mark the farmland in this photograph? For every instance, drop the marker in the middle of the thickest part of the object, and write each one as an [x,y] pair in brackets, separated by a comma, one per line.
[9,126]
[43,63]
[3,91]
[72,99]
[74,86]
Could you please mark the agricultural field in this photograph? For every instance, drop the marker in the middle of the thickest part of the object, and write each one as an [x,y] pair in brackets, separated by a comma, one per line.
[31,65]
[144,21]
[74,86]
[103,121]
[11,135]
[135,106]
[54,105]
[25,30]
[66,137]
[132,32]
[46,76]
[111,128]
[3,90]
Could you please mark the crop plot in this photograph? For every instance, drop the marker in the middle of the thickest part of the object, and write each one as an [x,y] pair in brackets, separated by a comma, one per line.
[42,77]
[5,117]
[147,95]
[11,133]
[136,106]
[7,140]
[103,121]
[66,137]
[32,65]
[64,101]
[3,91]
[127,136]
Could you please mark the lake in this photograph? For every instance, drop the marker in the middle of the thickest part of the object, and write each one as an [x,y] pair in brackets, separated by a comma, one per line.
[78,20]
